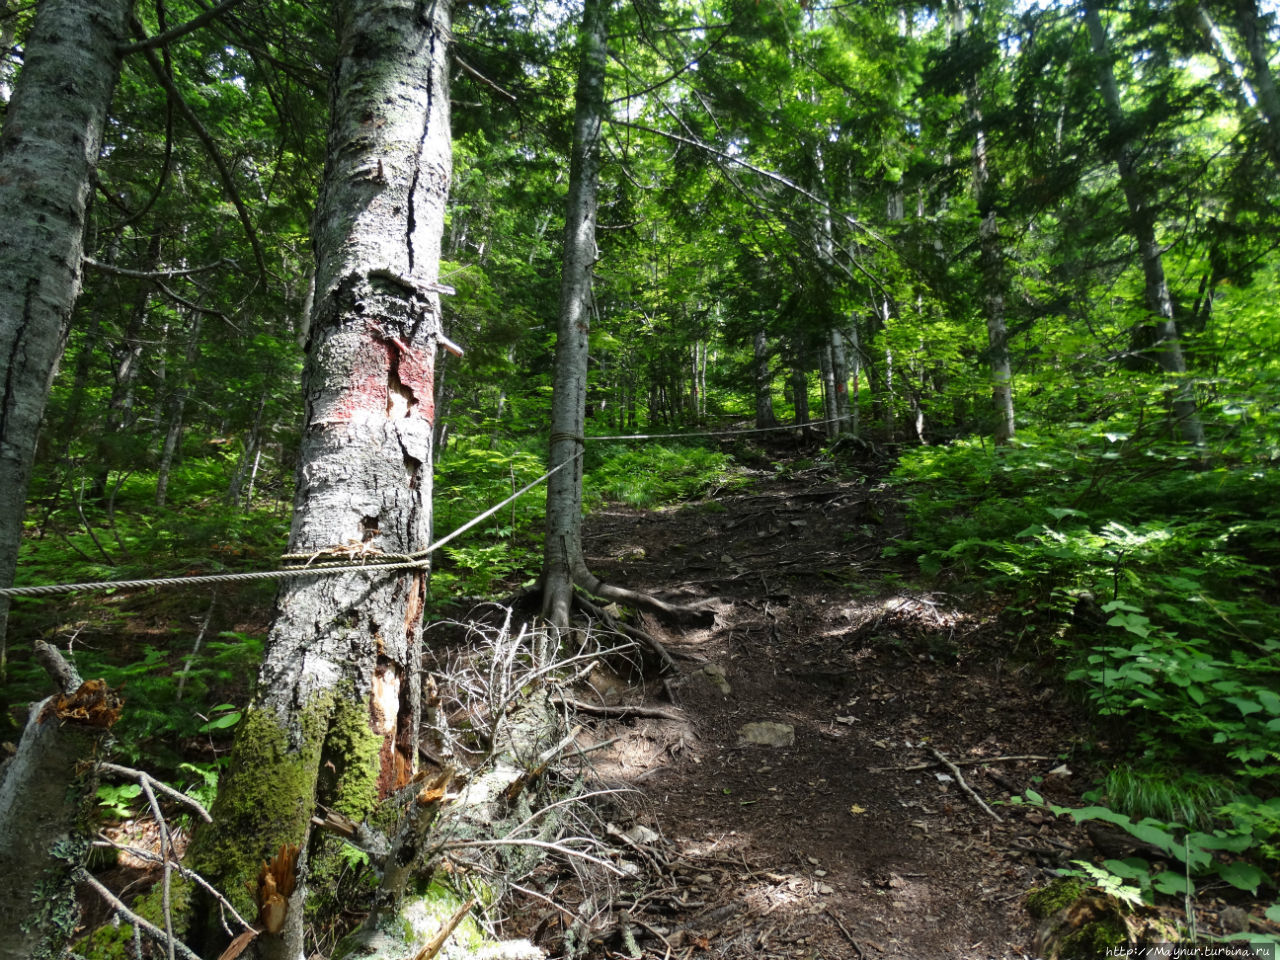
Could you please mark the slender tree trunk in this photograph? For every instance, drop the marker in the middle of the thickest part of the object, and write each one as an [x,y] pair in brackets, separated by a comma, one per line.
[764,383]
[799,385]
[840,376]
[50,143]
[336,707]
[827,372]
[1167,348]
[177,408]
[248,464]
[1264,85]
[991,270]
[563,562]
[853,352]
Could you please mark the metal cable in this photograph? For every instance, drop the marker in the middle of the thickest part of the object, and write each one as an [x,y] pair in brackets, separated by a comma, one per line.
[718,433]
[412,561]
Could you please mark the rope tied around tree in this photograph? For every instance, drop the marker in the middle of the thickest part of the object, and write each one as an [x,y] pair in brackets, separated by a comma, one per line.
[388,562]
[360,558]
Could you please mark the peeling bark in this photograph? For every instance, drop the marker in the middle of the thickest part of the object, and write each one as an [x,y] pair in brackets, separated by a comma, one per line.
[336,705]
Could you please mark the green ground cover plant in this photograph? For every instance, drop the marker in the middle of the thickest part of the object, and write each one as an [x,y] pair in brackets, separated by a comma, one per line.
[1146,575]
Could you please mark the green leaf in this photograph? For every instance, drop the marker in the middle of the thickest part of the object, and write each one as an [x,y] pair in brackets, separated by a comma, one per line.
[1246,706]
[1242,876]
[1270,700]
[1059,512]
[1135,623]
[222,722]
[1166,881]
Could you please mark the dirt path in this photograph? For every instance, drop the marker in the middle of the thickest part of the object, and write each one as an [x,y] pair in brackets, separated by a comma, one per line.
[824,847]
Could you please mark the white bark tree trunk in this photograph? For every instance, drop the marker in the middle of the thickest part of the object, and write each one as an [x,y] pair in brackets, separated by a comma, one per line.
[335,713]
[50,144]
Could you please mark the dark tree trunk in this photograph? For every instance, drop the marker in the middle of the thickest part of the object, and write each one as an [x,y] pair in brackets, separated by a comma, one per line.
[1167,348]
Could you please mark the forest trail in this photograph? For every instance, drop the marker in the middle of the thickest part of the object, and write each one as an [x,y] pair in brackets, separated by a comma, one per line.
[826,847]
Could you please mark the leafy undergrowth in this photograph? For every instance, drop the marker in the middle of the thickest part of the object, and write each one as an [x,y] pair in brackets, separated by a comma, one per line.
[1149,577]
[507,547]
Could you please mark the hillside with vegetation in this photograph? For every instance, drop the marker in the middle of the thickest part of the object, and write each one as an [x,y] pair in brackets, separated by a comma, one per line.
[823,458]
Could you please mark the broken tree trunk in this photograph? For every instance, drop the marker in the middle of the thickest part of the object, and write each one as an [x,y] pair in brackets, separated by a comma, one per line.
[48,793]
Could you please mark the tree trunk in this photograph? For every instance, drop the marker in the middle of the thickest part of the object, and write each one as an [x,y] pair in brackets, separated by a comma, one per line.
[840,376]
[250,455]
[827,371]
[47,797]
[853,353]
[335,710]
[764,383]
[991,270]
[177,408]
[52,135]
[563,562]
[1264,85]
[799,386]
[1166,349]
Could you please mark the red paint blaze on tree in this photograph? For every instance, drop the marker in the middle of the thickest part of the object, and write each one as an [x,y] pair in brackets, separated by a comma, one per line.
[368,395]
[416,370]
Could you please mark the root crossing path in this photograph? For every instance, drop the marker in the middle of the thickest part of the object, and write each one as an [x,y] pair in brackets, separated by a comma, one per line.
[821,791]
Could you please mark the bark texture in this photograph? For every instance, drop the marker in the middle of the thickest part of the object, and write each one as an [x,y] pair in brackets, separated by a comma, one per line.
[338,695]
[47,799]
[1166,349]
[563,562]
[50,144]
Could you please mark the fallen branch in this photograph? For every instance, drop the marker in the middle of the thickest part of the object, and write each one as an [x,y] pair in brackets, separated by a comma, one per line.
[84,876]
[435,943]
[965,786]
[912,767]
[186,872]
[620,710]
[144,779]
[559,848]
[847,934]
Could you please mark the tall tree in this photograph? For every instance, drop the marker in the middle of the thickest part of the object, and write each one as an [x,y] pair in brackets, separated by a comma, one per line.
[335,709]
[563,561]
[990,253]
[1167,348]
[52,134]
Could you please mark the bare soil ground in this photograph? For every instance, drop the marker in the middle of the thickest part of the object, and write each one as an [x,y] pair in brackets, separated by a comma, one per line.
[854,840]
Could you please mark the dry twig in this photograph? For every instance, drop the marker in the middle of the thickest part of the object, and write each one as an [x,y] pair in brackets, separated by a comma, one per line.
[955,771]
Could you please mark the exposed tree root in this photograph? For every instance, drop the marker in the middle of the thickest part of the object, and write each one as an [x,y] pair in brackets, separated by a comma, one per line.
[679,613]
[635,633]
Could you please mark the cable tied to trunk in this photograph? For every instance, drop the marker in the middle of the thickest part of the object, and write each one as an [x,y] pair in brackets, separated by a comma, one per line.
[410,561]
